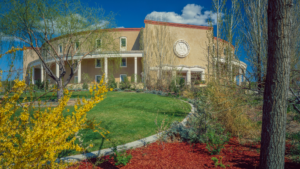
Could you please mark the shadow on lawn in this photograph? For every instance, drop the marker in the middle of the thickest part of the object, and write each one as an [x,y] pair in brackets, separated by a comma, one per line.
[88,134]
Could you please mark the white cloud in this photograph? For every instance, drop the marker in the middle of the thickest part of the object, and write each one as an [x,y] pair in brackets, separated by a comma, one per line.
[191,14]
[120,27]
[73,23]
[4,37]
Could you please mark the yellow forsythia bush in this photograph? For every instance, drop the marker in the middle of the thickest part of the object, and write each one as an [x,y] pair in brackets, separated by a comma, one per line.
[33,142]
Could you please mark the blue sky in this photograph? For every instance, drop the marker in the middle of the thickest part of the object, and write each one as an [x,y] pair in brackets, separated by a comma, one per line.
[131,14]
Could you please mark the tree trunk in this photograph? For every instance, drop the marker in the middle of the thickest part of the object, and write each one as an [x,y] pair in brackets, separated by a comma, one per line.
[276,88]
[259,84]
[60,90]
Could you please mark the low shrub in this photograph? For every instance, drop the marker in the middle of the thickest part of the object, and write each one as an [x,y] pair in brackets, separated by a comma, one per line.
[181,83]
[200,128]
[216,139]
[125,84]
[85,86]
[173,87]
[139,90]
[117,89]
[111,83]
[120,158]
[127,90]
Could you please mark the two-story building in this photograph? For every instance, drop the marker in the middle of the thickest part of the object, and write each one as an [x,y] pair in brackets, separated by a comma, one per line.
[190,55]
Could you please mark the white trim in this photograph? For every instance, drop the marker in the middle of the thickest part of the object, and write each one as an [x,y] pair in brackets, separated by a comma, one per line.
[239,63]
[123,48]
[181,68]
[96,78]
[96,62]
[121,62]
[135,69]
[95,56]
[121,78]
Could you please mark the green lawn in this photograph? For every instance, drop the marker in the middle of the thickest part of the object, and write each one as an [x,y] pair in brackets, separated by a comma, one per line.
[129,117]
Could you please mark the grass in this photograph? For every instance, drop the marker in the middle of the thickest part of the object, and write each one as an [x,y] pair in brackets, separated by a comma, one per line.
[128,117]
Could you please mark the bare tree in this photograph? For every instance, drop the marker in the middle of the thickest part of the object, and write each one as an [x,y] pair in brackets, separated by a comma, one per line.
[158,52]
[277,84]
[218,7]
[253,29]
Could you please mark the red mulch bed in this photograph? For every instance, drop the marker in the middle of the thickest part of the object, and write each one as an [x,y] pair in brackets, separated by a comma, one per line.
[180,155]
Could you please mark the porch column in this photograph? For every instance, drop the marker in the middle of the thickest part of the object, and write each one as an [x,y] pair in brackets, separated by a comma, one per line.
[189,77]
[135,69]
[32,78]
[215,69]
[240,76]
[42,73]
[79,72]
[57,70]
[174,73]
[230,71]
[244,76]
[105,67]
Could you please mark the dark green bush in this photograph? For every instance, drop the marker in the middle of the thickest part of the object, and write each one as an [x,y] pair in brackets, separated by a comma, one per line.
[173,87]
[85,86]
[181,83]
[111,83]
[216,139]
[139,90]
[125,84]
[120,158]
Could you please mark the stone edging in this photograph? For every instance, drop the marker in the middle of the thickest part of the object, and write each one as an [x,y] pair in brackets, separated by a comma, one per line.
[127,146]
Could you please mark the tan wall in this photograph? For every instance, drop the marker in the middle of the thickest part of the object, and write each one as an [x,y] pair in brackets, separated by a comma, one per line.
[198,43]
[28,56]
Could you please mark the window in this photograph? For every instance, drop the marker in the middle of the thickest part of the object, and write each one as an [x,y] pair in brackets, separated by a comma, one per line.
[77,44]
[60,48]
[124,62]
[214,49]
[98,43]
[122,77]
[123,43]
[45,52]
[224,51]
[75,79]
[98,78]
[97,63]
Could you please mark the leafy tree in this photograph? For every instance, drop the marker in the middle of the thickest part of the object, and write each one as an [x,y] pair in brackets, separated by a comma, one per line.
[38,23]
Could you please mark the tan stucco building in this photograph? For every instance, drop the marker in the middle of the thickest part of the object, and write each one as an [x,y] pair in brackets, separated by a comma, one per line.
[189,53]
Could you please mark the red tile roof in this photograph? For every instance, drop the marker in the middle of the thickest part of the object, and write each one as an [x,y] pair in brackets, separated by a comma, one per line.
[178,25]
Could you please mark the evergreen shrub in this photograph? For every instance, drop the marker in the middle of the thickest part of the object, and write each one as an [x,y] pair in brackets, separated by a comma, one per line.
[125,84]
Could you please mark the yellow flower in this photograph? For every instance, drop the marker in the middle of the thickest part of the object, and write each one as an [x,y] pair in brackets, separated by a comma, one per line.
[91,145]
[111,89]
[68,110]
